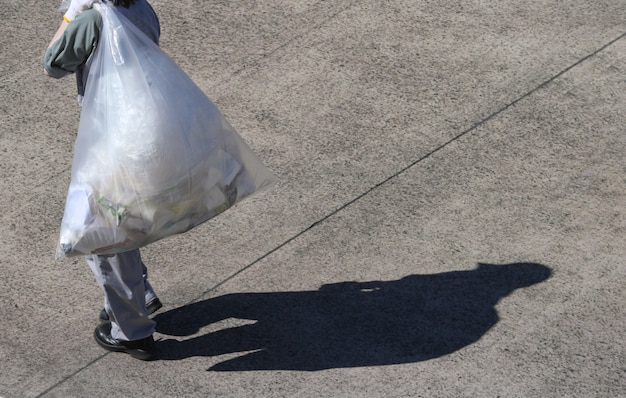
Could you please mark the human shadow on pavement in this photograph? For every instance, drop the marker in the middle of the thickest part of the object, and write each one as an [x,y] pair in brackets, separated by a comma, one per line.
[348,324]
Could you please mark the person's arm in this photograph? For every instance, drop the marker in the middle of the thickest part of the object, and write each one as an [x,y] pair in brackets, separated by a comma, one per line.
[56,37]
[58,33]
[74,44]
[75,8]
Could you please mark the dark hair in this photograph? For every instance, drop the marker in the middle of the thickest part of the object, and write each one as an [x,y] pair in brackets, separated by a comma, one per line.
[124,3]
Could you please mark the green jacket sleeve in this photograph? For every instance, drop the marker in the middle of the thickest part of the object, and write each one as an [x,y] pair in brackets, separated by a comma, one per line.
[74,47]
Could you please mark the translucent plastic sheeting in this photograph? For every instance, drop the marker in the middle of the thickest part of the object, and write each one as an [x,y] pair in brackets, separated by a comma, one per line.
[154,156]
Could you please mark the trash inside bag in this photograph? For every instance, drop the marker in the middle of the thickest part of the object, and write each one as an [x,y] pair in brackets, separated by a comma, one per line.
[153,156]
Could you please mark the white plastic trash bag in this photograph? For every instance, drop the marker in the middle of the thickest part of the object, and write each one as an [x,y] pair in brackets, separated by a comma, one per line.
[154,156]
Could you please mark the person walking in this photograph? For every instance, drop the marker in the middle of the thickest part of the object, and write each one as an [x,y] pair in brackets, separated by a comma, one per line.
[128,296]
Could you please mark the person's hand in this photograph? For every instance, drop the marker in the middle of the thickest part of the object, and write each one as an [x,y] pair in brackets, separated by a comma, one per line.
[76,7]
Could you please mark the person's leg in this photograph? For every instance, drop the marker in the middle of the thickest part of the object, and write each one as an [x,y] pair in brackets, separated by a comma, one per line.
[153,303]
[150,294]
[121,277]
[94,265]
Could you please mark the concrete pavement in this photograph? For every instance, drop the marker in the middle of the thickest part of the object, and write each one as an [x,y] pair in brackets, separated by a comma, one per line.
[450,220]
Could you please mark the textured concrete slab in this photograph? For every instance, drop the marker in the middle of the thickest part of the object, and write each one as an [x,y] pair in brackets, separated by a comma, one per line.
[450,219]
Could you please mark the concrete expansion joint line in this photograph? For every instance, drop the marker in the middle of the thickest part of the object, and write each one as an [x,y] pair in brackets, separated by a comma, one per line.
[68,377]
[281,46]
[406,168]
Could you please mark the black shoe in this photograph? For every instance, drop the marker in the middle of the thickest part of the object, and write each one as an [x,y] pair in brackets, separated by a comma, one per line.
[143,349]
[152,307]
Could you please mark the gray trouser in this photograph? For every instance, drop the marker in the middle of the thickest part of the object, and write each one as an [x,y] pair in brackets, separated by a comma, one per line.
[123,278]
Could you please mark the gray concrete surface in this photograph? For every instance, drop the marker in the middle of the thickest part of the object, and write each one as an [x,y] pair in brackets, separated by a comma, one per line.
[450,221]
